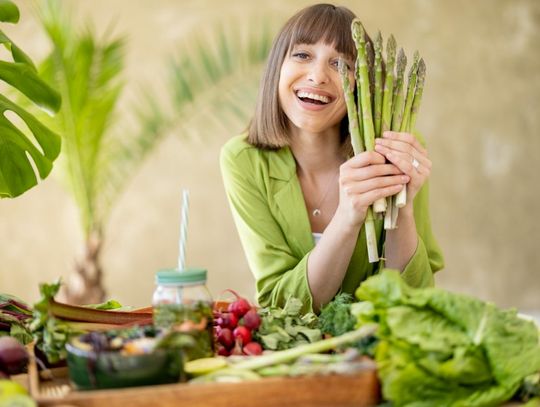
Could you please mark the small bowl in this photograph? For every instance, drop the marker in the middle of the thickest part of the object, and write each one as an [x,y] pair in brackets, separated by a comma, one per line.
[89,369]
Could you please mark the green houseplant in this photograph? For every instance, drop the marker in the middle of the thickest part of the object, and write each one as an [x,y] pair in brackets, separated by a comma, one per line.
[100,156]
[19,152]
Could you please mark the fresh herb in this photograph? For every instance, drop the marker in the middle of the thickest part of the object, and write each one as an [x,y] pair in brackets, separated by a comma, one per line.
[284,328]
[335,318]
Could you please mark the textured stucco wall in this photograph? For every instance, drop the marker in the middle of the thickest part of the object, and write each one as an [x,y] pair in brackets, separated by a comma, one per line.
[479,115]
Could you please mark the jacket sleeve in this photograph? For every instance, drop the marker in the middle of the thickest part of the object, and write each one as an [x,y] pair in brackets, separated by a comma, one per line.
[279,274]
[428,257]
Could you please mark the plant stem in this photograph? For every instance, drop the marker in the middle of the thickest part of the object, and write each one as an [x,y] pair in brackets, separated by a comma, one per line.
[85,314]
[289,355]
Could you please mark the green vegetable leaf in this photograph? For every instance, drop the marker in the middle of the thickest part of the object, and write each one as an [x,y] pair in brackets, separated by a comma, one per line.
[335,317]
[443,348]
[20,333]
[273,340]
[292,307]
[108,305]
[311,334]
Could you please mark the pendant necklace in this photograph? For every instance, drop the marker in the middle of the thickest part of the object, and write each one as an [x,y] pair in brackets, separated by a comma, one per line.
[317,211]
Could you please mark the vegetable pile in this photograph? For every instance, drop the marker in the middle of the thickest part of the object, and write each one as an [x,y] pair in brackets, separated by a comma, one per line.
[54,323]
[443,348]
[234,328]
[389,108]
[14,314]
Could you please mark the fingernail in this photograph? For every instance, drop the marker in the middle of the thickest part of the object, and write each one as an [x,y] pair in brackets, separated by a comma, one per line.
[386,134]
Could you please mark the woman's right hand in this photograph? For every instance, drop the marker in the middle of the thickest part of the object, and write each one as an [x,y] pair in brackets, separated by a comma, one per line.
[364,179]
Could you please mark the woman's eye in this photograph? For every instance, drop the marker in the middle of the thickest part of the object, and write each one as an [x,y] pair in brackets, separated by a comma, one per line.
[301,55]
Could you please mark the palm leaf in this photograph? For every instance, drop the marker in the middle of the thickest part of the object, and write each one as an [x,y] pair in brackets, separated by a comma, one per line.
[18,153]
[213,82]
[87,71]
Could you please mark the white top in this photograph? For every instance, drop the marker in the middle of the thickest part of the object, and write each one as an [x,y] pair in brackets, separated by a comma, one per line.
[316,237]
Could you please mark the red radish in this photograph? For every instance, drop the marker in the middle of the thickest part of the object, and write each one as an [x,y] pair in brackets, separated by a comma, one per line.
[237,350]
[252,349]
[13,356]
[222,351]
[252,320]
[242,333]
[227,320]
[239,307]
[226,338]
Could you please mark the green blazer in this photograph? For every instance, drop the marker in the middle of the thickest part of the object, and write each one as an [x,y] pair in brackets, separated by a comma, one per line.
[271,217]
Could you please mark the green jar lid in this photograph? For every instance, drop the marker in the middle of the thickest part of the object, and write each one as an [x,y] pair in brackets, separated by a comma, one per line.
[186,276]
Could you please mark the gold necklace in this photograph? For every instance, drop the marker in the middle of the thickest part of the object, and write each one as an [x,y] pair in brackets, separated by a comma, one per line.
[317,210]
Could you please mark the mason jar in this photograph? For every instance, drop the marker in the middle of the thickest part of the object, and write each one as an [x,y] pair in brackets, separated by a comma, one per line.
[182,302]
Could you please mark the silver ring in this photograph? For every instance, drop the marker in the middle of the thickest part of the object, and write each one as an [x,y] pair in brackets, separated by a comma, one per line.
[415,163]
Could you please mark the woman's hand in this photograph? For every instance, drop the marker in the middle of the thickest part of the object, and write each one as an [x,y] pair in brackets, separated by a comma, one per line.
[405,152]
[364,179]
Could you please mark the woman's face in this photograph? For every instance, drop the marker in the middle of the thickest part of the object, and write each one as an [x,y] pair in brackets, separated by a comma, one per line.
[310,91]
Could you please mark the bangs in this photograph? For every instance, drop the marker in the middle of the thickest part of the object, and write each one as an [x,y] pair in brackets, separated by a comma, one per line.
[326,23]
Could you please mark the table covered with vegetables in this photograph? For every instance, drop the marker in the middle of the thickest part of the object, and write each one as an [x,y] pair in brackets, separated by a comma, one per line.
[389,344]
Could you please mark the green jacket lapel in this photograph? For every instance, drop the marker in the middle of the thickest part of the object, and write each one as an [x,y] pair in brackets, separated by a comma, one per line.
[291,210]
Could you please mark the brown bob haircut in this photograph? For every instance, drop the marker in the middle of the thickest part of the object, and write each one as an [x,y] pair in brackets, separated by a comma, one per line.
[331,24]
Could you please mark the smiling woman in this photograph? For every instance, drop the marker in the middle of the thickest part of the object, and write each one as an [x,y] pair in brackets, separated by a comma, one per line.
[291,179]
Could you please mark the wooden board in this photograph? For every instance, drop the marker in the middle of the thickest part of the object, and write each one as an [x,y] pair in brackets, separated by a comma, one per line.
[359,390]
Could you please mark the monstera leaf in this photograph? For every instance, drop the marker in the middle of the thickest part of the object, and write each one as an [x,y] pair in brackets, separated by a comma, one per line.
[18,153]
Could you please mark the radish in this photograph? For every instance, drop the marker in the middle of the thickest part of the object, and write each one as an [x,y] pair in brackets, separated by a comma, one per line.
[222,351]
[237,350]
[239,307]
[226,338]
[252,320]
[253,349]
[228,320]
[242,333]
[13,356]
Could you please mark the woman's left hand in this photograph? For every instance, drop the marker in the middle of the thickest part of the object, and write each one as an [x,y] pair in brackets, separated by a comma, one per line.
[405,152]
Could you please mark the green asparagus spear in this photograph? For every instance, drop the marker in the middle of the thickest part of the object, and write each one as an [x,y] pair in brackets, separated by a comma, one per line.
[377,100]
[388,92]
[417,94]
[362,81]
[401,197]
[354,128]
[364,104]
[411,86]
[397,103]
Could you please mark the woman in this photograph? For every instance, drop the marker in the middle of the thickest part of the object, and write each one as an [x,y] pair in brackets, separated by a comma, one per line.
[298,200]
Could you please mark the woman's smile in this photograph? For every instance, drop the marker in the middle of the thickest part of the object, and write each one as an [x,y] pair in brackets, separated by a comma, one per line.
[313,99]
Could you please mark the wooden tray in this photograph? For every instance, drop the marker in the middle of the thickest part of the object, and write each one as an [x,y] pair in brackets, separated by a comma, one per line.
[52,388]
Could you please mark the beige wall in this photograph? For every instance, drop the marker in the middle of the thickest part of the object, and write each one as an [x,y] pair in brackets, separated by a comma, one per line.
[480,117]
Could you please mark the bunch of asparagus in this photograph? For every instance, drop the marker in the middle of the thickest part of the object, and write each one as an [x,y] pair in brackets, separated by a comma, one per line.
[390,108]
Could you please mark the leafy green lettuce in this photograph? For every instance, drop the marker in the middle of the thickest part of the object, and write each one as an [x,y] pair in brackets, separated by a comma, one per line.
[445,349]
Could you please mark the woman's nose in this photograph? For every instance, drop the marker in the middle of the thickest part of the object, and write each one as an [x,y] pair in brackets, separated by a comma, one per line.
[318,73]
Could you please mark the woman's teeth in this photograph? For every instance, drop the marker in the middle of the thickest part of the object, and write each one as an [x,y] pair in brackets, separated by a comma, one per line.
[313,97]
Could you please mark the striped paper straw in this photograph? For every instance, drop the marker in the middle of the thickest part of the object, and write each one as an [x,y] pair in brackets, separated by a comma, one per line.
[183,230]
